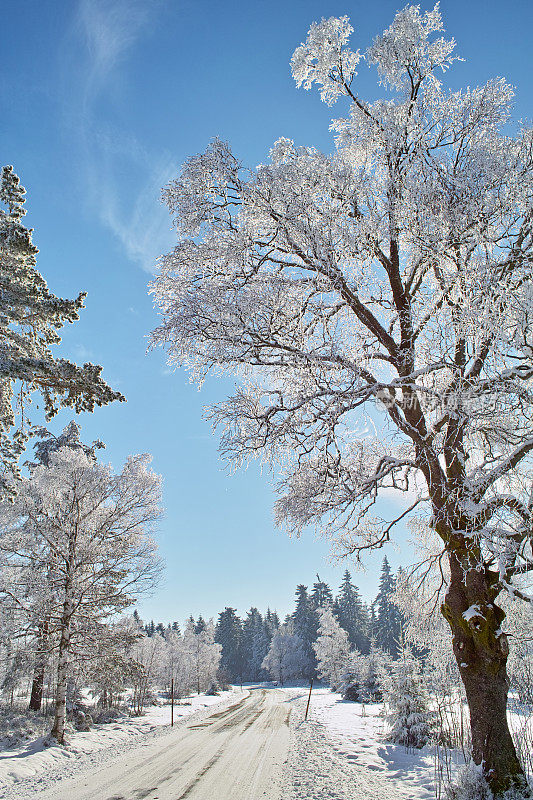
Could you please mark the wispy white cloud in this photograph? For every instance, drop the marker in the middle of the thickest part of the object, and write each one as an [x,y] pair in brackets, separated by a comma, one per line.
[122,179]
[110,28]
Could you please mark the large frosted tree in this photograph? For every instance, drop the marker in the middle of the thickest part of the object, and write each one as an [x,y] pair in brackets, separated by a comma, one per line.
[392,274]
[30,318]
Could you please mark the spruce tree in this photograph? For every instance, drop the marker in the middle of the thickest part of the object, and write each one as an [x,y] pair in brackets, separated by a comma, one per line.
[321,596]
[409,714]
[271,623]
[30,317]
[388,618]
[305,624]
[200,625]
[228,634]
[352,614]
[255,644]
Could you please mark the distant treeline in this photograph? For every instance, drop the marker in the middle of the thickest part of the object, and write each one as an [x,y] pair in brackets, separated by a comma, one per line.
[246,641]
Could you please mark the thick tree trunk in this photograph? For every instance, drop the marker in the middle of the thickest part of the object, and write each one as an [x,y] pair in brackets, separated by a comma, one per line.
[36,697]
[481,652]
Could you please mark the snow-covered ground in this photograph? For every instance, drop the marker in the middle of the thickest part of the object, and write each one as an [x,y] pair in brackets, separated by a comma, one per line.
[340,754]
[30,767]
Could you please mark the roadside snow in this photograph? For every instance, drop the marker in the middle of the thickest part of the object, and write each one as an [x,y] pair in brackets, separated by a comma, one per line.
[339,754]
[31,768]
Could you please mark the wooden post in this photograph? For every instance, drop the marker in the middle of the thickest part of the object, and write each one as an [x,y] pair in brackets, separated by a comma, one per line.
[172,703]
[309,698]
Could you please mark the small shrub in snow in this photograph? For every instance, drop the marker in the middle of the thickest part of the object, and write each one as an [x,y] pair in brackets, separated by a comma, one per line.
[470,785]
[350,685]
[213,690]
[362,679]
[81,720]
[108,715]
[17,727]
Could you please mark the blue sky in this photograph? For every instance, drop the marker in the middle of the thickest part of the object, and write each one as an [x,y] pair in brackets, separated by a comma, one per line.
[102,101]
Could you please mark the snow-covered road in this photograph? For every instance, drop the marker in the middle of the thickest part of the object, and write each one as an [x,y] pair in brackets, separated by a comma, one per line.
[236,753]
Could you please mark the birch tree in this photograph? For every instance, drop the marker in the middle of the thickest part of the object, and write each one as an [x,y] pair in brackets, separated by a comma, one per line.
[76,542]
[390,277]
[202,654]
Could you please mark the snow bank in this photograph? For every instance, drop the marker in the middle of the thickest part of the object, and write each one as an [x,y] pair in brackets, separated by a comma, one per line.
[340,754]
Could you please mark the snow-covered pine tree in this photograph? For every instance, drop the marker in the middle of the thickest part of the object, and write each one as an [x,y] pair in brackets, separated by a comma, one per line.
[352,614]
[408,712]
[388,618]
[332,649]
[30,319]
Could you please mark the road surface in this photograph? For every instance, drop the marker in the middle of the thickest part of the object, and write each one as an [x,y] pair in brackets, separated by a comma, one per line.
[234,754]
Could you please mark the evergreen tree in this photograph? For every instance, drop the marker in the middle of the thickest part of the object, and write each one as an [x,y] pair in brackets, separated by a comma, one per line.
[30,319]
[228,634]
[388,618]
[305,623]
[409,715]
[321,596]
[255,644]
[271,623]
[176,627]
[352,614]
[200,625]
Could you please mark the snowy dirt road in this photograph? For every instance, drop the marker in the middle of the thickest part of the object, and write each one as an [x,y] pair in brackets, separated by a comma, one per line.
[236,753]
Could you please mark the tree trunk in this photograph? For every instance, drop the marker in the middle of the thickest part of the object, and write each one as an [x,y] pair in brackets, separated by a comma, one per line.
[36,697]
[58,730]
[481,651]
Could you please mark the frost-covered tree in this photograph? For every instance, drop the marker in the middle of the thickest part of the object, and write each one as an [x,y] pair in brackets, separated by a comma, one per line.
[30,319]
[76,543]
[409,716]
[286,658]
[332,649]
[363,676]
[395,271]
[204,654]
[148,658]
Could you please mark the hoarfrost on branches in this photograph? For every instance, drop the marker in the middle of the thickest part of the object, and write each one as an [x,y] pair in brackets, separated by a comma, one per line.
[394,272]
